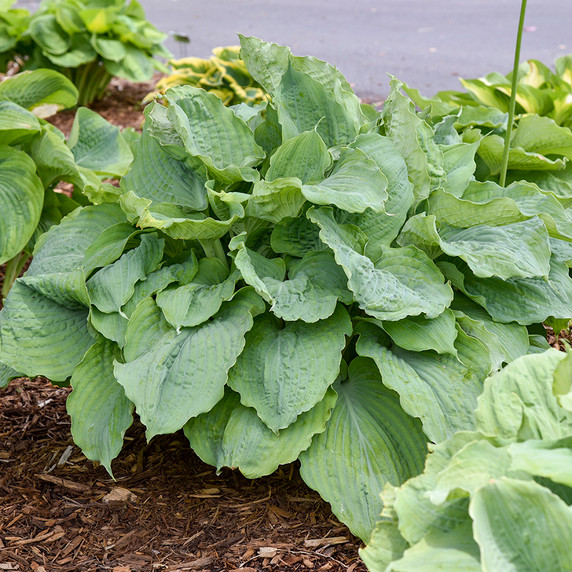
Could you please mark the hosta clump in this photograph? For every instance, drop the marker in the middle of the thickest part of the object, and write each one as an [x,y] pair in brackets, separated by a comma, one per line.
[493,499]
[35,157]
[90,42]
[306,278]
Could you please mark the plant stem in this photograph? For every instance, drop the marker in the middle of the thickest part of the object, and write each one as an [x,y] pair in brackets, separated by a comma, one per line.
[213,249]
[511,106]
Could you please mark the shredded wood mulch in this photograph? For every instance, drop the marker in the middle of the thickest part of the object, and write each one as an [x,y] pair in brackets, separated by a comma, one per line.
[166,510]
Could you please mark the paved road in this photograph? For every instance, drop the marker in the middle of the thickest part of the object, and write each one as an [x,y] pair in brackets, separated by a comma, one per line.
[426,43]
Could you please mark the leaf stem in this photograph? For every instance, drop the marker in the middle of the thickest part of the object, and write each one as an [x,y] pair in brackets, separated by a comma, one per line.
[213,249]
[13,268]
[511,106]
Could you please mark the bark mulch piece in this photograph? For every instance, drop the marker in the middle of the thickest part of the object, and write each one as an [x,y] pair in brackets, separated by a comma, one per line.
[166,510]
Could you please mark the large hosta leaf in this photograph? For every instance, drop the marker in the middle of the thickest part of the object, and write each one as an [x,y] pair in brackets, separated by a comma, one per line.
[439,389]
[100,413]
[369,441]
[403,282]
[172,376]
[232,435]
[285,370]
[521,526]
[22,197]
[16,123]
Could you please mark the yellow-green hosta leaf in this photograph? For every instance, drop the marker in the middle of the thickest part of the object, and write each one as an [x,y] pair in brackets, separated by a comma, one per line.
[79,53]
[155,174]
[276,200]
[385,545]
[49,35]
[459,164]
[112,286]
[403,282]
[438,389]
[541,135]
[368,442]
[7,374]
[521,526]
[100,413]
[179,375]
[285,371]
[98,145]
[21,197]
[304,156]
[522,300]
[108,48]
[296,236]
[231,435]
[16,123]
[136,65]
[354,185]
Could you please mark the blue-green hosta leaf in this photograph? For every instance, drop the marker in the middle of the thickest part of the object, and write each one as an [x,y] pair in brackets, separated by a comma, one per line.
[285,371]
[542,135]
[403,282]
[530,201]
[276,200]
[197,301]
[155,174]
[98,145]
[382,228]
[34,329]
[296,236]
[7,374]
[441,390]
[179,222]
[304,156]
[231,435]
[442,550]
[314,285]
[63,248]
[354,185]
[521,526]
[100,413]
[518,402]
[172,376]
[41,91]
[459,164]
[413,137]
[369,441]
[16,123]
[304,104]
[491,151]
[113,285]
[522,300]
[65,288]
[22,197]
[514,250]
[419,333]
[214,134]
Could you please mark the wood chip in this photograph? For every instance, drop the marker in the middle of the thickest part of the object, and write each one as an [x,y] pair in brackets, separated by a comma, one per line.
[267,552]
[9,566]
[119,494]
[66,483]
[194,565]
[328,541]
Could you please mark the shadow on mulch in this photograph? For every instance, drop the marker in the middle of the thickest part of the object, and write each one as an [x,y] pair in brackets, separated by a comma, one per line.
[166,510]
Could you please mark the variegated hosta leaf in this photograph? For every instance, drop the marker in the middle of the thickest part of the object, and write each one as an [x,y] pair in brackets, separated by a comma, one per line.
[413,137]
[98,145]
[354,185]
[22,197]
[522,300]
[285,370]
[42,91]
[514,250]
[520,526]
[113,285]
[100,413]
[232,435]
[172,376]
[195,302]
[403,282]
[419,333]
[155,174]
[519,403]
[369,441]
[304,156]
[34,329]
[441,390]
[311,293]
[214,134]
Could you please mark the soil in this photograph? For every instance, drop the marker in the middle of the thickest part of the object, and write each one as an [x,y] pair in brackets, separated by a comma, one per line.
[166,510]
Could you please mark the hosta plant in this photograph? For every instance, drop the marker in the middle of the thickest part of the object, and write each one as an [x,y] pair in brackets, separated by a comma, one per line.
[493,499]
[91,41]
[35,157]
[13,23]
[224,74]
[304,278]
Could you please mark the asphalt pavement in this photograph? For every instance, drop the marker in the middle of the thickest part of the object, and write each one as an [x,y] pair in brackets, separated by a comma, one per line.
[428,44]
